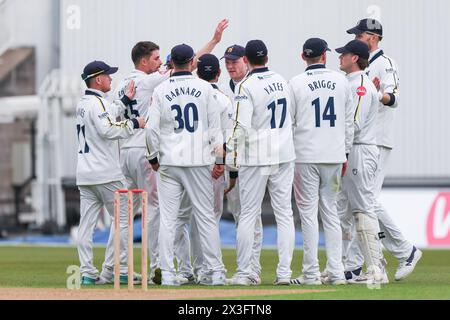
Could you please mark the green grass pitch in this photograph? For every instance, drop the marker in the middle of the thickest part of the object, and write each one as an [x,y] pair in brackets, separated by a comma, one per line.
[45,267]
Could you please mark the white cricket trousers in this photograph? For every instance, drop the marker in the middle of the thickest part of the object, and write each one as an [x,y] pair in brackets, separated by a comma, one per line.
[187,239]
[139,175]
[358,196]
[394,241]
[198,185]
[92,200]
[316,187]
[252,187]
[187,242]
[234,206]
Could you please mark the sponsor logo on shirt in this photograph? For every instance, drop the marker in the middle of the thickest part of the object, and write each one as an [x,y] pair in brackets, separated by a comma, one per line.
[240,98]
[361,91]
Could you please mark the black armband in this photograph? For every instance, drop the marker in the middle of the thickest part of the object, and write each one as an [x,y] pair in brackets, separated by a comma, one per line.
[135,123]
[125,100]
[234,174]
[154,161]
[391,100]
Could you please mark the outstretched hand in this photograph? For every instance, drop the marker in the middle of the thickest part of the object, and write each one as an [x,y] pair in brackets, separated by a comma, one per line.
[219,30]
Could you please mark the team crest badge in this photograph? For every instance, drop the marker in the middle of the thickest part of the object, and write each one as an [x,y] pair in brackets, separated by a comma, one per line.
[355,172]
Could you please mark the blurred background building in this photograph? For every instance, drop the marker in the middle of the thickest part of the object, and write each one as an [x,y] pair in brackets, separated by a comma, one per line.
[45,44]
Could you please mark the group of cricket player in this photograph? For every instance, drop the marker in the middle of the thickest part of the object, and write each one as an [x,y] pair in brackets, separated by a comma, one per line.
[189,139]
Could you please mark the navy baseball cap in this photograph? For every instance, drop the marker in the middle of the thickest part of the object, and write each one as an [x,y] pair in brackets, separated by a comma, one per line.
[314,47]
[367,25]
[234,52]
[168,59]
[182,54]
[95,68]
[207,65]
[356,47]
[255,49]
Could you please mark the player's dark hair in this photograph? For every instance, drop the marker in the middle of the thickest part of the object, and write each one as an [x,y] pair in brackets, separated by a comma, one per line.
[209,76]
[88,82]
[362,63]
[257,61]
[141,50]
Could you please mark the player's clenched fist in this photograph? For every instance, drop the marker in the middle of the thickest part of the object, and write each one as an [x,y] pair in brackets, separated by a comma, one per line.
[218,171]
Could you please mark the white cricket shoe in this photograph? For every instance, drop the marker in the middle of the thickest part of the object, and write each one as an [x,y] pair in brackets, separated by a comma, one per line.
[359,277]
[282,282]
[405,268]
[324,274]
[218,279]
[204,279]
[244,281]
[334,281]
[185,279]
[302,280]
[169,279]
[101,281]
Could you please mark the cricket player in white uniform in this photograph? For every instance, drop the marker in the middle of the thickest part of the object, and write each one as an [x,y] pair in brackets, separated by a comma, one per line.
[137,170]
[384,72]
[184,136]
[323,133]
[208,69]
[265,157]
[98,169]
[359,183]
[237,70]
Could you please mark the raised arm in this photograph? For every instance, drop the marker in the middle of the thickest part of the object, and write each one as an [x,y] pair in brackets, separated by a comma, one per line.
[213,42]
